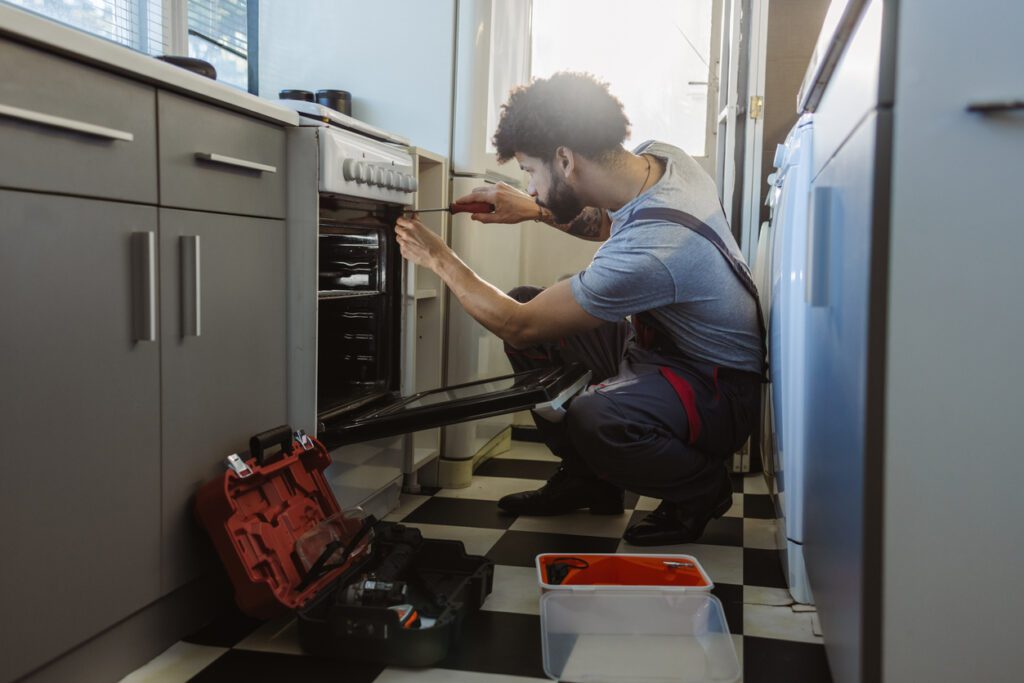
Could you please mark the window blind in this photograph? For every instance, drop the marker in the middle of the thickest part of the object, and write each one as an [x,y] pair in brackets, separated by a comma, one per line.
[138,24]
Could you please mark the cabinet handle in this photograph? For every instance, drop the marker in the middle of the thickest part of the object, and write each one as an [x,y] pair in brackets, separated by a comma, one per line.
[816,293]
[191,315]
[64,124]
[237,163]
[144,287]
[996,107]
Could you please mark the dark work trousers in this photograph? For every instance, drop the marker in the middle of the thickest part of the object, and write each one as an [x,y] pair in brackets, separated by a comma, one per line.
[651,422]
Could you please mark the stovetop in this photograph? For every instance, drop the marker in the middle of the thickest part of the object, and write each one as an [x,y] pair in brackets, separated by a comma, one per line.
[313,114]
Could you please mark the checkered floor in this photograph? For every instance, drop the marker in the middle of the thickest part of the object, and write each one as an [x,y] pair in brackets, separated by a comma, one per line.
[775,641]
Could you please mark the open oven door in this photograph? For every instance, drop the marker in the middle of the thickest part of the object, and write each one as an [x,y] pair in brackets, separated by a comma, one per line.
[546,390]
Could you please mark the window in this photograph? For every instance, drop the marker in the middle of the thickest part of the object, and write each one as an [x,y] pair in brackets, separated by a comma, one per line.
[213,30]
[218,33]
[655,55]
[138,24]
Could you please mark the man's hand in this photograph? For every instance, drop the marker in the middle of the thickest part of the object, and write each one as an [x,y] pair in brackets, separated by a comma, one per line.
[418,244]
[510,205]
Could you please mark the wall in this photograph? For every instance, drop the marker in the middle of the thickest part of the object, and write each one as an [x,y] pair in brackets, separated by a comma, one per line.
[793,27]
[395,57]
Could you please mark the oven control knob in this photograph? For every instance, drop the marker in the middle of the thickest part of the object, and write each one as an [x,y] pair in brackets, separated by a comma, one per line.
[392,180]
[371,175]
[350,169]
[413,184]
[364,172]
[385,178]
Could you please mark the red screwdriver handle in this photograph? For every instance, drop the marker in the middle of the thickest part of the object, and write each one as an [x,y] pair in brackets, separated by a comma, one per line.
[473,207]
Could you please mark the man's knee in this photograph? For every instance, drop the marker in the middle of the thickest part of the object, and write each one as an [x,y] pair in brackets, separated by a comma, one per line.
[585,418]
[524,293]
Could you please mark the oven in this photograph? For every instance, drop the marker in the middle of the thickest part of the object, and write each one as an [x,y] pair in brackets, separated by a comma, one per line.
[348,184]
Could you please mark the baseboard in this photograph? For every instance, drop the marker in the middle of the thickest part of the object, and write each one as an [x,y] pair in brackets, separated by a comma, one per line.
[458,474]
[128,645]
[526,433]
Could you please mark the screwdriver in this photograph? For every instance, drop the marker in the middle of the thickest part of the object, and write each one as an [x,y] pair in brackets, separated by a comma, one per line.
[468,207]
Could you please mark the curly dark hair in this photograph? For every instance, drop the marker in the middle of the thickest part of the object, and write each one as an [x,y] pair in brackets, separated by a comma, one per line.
[570,109]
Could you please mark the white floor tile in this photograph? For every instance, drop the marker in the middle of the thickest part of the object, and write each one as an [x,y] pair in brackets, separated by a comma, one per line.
[760,533]
[527,450]
[515,590]
[406,505]
[581,523]
[177,664]
[765,621]
[477,541]
[491,488]
[762,595]
[754,483]
[724,564]
[646,503]
[396,675]
[737,641]
[280,636]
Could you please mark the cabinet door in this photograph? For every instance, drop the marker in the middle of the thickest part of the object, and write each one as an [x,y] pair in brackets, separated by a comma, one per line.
[80,517]
[222,359]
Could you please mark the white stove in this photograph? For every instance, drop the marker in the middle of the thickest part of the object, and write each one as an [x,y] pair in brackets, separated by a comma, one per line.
[357,159]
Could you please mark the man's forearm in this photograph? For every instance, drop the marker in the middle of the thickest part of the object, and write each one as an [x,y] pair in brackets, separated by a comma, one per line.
[487,304]
[591,224]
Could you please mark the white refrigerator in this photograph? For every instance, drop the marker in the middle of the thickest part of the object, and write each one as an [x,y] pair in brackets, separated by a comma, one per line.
[492,57]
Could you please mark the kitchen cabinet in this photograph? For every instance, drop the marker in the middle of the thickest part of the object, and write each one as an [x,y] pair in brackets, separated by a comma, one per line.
[222,283]
[80,394]
[143,341]
[70,128]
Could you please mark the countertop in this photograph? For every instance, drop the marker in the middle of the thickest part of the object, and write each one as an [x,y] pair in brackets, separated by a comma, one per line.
[54,37]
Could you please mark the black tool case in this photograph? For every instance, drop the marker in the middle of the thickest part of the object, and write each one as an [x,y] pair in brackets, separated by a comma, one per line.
[262,515]
[444,584]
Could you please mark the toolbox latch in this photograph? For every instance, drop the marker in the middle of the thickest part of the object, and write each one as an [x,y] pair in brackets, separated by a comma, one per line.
[303,438]
[238,466]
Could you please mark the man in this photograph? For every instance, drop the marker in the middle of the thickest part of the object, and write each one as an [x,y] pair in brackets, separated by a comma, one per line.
[676,392]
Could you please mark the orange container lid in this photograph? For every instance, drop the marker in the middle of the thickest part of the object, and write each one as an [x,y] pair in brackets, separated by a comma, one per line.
[568,571]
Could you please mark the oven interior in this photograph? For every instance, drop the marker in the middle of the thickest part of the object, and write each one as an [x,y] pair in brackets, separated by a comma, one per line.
[359,285]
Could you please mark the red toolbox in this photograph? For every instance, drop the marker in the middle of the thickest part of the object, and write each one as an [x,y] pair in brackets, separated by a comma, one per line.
[361,589]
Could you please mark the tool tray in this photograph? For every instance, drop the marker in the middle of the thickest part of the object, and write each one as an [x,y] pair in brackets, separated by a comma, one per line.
[262,505]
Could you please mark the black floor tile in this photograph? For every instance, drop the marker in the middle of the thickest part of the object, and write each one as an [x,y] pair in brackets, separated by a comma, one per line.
[227,630]
[520,548]
[460,512]
[524,469]
[723,531]
[529,434]
[737,481]
[630,500]
[766,660]
[758,506]
[267,667]
[498,643]
[731,597]
[762,568]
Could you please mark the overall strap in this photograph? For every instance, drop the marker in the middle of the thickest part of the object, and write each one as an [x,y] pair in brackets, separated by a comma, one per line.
[707,232]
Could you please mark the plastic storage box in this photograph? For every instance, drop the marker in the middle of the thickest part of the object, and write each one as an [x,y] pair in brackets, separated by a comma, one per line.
[624,618]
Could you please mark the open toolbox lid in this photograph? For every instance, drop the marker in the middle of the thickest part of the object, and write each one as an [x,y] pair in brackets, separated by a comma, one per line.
[257,511]
[545,390]
[626,571]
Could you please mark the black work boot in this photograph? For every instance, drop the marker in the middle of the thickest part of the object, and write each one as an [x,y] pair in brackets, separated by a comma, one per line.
[564,493]
[674,523]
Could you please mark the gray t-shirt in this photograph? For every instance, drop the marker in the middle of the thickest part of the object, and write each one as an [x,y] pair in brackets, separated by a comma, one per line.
[672,272]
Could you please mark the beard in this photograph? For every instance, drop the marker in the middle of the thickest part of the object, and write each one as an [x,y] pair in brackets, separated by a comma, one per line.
[562,201]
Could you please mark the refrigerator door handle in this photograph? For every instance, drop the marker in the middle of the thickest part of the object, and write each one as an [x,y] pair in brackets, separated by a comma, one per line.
[816,293]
